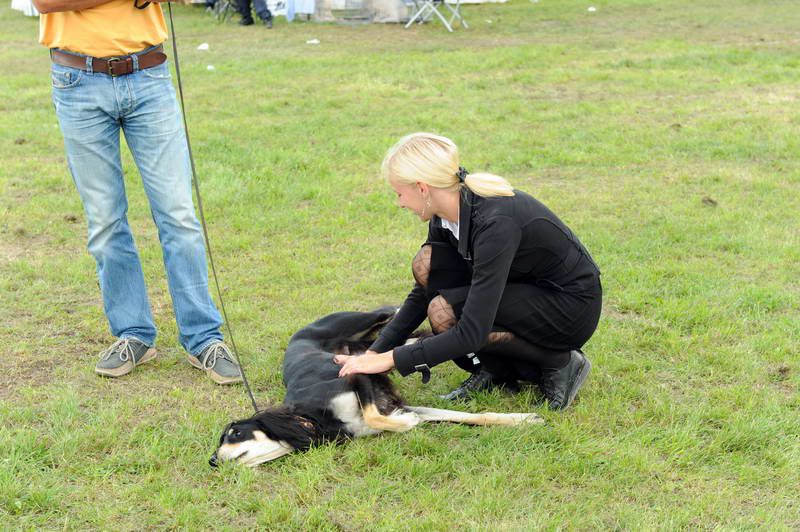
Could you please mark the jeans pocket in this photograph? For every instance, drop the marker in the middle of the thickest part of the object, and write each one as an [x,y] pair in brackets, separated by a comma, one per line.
[65,77]
[157,72]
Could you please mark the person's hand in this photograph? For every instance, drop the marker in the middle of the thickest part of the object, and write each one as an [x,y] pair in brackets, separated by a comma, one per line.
[369,363]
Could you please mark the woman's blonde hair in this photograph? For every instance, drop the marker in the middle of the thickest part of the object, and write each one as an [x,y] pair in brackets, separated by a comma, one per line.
[433,159]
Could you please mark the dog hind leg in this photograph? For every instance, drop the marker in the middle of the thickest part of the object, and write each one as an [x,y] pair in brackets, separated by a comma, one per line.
[467,418]
[397,421]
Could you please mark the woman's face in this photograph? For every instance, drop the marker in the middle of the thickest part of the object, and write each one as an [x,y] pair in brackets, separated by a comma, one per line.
[410,197]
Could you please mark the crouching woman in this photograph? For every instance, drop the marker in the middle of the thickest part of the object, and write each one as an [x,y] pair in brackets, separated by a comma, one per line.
[510,292]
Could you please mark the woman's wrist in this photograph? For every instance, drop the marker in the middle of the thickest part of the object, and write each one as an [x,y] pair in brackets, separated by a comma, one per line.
[389,358]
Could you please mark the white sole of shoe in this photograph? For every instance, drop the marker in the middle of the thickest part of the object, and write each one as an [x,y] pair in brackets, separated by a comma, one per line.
[219,379]
[127,367]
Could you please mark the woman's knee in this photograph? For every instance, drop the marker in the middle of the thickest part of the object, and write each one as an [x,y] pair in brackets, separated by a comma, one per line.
[441,315]
[421,265]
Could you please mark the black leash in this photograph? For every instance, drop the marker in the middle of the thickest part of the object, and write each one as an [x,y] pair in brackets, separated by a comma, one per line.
[200,210]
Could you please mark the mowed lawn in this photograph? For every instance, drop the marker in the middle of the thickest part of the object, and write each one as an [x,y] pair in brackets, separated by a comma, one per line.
[664,133]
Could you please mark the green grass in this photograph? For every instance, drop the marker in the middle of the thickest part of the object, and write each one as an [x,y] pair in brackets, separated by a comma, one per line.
[664,134]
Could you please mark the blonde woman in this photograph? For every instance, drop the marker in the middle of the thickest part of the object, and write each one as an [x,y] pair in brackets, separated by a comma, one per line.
[511,294]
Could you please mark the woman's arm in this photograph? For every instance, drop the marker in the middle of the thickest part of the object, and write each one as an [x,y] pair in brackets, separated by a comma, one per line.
[408,318]
[494,249]
[367,363]
[411,313]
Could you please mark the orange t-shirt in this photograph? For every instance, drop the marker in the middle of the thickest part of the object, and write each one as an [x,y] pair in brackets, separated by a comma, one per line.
[110,29]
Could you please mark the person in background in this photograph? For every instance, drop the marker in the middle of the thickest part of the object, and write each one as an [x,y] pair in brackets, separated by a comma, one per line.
[262,11]
[109,74]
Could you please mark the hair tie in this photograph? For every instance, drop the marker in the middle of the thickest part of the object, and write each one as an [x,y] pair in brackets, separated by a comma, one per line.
[461,174]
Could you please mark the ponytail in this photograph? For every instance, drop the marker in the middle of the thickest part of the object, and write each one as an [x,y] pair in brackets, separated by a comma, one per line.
[434,160]
[488,185]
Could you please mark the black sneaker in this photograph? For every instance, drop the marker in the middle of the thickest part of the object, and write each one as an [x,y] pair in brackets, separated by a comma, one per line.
[246,22]
[481,380]
[268,23]
[560,386]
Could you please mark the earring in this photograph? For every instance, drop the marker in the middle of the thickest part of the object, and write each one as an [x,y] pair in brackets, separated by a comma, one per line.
[426,207]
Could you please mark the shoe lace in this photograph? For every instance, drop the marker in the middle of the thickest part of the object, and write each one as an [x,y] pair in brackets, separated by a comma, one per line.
[216,352]
[122,348]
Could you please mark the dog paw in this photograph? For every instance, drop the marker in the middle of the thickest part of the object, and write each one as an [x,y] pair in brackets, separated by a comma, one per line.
[527,419]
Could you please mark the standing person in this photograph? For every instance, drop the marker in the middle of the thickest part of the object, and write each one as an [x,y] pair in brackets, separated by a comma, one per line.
[109,72]
[261,8]
[510,292]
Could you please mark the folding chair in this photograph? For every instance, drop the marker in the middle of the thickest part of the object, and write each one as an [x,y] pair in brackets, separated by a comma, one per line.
[222,10]
[426,9]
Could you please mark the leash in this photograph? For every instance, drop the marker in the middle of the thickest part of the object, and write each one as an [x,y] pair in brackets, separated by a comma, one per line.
[200,210]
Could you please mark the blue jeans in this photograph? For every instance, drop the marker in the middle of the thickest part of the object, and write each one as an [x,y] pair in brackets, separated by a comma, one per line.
[92,107]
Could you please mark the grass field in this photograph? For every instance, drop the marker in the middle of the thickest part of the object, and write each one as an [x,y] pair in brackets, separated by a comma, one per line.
[664,133]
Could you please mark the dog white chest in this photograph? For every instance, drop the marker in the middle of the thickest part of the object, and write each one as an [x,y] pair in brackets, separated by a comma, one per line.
[346,408]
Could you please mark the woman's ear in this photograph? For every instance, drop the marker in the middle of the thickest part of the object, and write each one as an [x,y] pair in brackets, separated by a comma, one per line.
[423,188]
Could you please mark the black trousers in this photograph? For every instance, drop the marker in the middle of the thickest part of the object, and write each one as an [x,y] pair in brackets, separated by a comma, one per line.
[244,6]
[552,320]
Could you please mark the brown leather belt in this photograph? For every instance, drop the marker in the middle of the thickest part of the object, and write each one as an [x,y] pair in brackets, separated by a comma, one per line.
[113,66]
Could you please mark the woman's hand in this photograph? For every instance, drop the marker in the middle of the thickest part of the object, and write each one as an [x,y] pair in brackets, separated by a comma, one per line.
[369,363]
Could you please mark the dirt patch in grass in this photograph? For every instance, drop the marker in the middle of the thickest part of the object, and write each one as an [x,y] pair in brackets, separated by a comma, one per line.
[614,313]
[17,243]
[21,372]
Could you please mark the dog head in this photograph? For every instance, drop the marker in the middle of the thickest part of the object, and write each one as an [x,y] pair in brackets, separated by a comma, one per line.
[266,436]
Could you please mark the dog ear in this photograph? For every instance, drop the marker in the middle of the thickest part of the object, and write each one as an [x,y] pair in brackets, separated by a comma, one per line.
[282,425]
[224,432]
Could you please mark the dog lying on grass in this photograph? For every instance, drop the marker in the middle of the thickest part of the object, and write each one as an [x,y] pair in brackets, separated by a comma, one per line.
[322,407]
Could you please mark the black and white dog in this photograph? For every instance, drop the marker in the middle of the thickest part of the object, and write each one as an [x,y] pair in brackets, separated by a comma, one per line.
[320,406]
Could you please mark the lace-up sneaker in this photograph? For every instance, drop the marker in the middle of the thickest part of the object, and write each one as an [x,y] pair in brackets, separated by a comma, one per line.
[219,363]
[481,380]
[123,355]
[560,386]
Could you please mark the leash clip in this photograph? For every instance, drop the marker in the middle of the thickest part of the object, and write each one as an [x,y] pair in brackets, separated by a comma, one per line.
[426,372]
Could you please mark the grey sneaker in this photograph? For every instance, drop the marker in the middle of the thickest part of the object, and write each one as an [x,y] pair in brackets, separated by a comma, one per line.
[123,355]
[219,363]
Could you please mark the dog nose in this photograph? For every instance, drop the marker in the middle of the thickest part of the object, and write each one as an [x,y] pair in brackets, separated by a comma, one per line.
[213,460]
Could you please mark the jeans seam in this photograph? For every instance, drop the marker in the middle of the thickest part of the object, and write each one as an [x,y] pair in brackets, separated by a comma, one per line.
[134,337]
[204,345]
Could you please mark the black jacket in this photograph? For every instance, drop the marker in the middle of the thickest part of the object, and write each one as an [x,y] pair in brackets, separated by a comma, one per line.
[507,239]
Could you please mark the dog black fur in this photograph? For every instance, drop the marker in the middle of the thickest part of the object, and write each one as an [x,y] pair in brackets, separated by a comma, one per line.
[320,407]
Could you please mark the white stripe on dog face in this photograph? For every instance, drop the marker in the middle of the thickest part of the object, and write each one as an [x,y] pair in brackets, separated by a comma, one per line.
[253,451]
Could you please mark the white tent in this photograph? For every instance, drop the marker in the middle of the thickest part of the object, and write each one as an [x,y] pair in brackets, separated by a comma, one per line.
[370,10]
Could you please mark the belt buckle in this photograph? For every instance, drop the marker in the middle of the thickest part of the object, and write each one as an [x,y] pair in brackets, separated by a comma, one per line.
[113,61]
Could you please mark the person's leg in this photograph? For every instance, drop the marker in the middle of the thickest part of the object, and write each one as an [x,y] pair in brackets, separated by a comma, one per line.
[437,267]
[484,376]
[86,107]
[505,349]
[549,327]
[154,133]
[263,12]
[244,7]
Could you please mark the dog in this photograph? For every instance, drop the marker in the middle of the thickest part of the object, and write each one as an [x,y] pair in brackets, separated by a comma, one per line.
[320,406]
